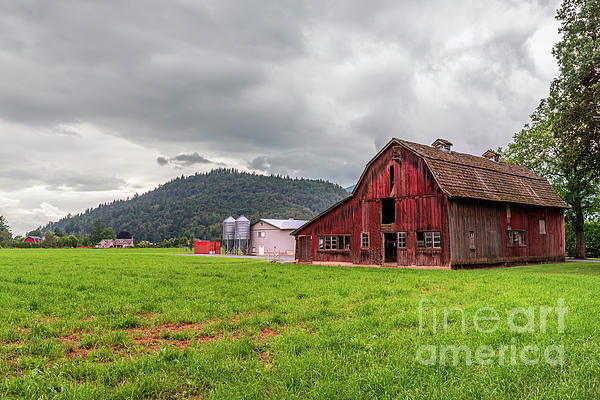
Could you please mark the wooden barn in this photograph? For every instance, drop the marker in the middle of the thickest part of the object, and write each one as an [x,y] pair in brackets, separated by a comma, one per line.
[418,205]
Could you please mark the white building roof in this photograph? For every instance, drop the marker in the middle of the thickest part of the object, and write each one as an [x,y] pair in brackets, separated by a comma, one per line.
[283,224]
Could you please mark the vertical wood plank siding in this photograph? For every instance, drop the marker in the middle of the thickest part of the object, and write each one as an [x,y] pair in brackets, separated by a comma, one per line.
[419,203]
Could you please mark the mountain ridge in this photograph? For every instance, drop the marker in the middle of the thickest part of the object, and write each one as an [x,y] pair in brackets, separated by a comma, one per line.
[196,205]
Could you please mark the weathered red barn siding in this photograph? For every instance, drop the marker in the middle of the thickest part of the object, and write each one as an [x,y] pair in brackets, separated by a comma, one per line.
[419,204]
[538,247]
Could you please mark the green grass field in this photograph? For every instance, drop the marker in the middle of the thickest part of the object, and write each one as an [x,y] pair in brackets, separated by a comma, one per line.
[132,324]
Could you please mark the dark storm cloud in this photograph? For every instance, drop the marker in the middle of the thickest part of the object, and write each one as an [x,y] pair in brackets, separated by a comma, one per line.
[162,161]
[286,86]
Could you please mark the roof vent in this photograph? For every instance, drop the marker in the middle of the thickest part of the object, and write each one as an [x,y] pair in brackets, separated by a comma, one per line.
[492,155]
[442,144]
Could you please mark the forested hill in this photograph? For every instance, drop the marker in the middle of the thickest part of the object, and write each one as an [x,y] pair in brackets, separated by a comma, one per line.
[196,205]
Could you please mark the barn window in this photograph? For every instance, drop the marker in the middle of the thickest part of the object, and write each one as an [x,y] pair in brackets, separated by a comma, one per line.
[542,226]
[364,240]
[391,177]
[388,211]
[344,242]
[472,240]
[437,239]
[401,240]
[517,236]
[522,239]
[429,239]
[420,239]
[262,234]
[334,242]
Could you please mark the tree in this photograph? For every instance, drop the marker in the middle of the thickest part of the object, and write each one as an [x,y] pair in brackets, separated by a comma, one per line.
[58,232]
[562,142]
[49,240]
[183,241]
[5,238]
[5,235]
[107,233]
[96,231]
[124,235]
[86,241]
[4,224]
[72,241]
[35,232]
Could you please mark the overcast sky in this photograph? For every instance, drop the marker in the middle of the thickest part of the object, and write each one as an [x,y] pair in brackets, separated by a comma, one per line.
[103,99]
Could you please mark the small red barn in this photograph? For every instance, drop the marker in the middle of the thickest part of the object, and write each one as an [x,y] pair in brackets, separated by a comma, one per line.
[418,205]
[33,239]
[207,247]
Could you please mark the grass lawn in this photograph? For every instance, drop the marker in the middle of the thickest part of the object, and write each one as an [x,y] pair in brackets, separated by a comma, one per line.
[132,324]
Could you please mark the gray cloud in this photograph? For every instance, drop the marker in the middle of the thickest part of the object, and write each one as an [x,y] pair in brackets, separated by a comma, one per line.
[60,179]
[287,86]
[260,163]
[185,160]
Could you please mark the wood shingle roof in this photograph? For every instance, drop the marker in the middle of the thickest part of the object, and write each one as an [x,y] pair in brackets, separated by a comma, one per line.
[465,175]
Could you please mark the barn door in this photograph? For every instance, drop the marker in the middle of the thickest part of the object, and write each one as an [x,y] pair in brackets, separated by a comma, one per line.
[305,249]
[390,249]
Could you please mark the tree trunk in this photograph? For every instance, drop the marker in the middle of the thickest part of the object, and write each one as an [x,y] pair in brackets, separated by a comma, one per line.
[578,227]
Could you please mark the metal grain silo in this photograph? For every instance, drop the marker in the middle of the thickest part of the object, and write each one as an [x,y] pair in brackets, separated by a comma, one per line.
[242,234]
[228,233]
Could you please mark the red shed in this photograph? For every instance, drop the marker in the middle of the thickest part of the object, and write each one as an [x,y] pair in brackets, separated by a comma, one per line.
[418,205]
[206,247]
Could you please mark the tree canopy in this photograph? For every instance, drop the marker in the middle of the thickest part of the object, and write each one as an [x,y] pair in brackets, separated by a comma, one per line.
[562,141]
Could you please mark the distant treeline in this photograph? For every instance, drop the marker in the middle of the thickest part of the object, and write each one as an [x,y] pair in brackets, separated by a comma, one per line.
[58,239]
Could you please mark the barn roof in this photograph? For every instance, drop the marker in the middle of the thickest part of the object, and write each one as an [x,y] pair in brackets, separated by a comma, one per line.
[468,176]
[283,224]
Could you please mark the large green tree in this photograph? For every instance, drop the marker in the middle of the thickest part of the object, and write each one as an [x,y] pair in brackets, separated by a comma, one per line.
[50,240]
[562,142]
[96,231]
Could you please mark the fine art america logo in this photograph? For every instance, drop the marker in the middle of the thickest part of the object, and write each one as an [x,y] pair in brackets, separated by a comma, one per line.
[487,320]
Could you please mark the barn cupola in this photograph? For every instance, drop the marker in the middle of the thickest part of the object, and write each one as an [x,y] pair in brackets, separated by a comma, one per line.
[442,144]
[492,155]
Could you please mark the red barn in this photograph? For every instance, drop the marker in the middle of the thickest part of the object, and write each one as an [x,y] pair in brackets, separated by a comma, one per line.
[418,205]
[33,239]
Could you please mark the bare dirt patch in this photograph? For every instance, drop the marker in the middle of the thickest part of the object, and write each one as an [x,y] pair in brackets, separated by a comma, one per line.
[180,335]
